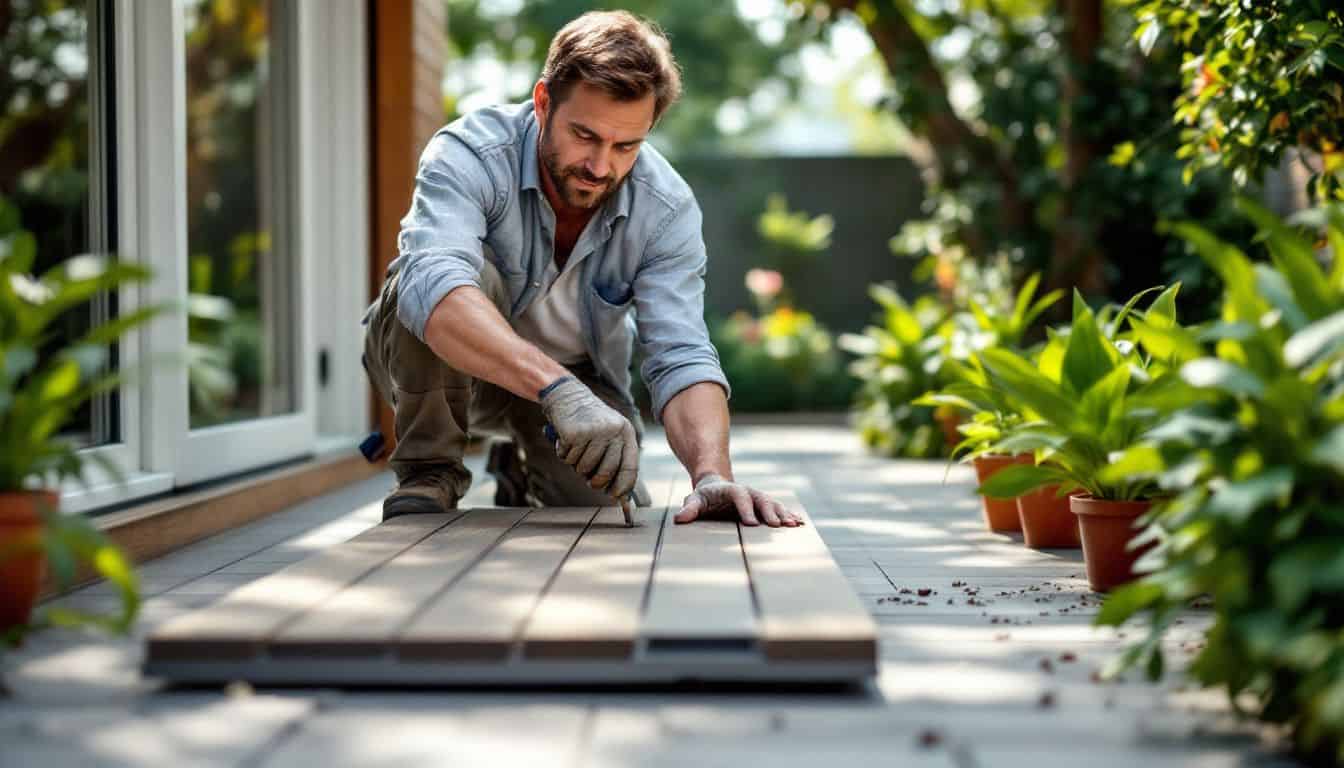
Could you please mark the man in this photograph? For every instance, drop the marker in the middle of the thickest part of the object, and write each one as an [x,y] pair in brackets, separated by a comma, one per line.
[533,232]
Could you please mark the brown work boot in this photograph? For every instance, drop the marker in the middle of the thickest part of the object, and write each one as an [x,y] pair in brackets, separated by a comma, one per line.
[423,489]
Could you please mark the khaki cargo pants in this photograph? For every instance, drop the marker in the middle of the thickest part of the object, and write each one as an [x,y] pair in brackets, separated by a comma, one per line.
[437,406]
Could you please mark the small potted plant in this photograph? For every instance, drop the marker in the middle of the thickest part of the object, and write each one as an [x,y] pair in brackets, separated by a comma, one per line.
[991,416]
[42,384]
[1083,406]
[989,413]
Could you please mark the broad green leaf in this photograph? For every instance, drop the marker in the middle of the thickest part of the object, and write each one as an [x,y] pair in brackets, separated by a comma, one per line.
[1113,327]
[1014,480]
[1162,312]
[18,251]
[1051,360]
[1275,289]
[1026,384]
[1140,461]
[19,360]
[1232,266]
[61,380]
[1026,440]
[1329,450]
[1089,356]
[1127,600]
[1101,405]
[1321,338]
[1238,500]
[1220,374]
[1169,343]
[1294,257]
[1187,427]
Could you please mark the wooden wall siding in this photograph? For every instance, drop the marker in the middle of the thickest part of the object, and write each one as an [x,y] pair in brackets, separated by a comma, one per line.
[518,596]
[409,43]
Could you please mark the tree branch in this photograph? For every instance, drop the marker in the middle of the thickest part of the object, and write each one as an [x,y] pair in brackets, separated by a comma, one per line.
[959,153]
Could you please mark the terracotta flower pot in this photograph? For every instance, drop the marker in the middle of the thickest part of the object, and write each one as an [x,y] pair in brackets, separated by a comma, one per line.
[1107,527]
[23,562]
[1000,514]
[1047,521]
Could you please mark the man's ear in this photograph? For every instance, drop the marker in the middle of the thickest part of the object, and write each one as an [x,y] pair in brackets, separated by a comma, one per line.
[541,101]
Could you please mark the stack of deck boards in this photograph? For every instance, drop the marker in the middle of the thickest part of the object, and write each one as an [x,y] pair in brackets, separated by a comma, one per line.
[536,596]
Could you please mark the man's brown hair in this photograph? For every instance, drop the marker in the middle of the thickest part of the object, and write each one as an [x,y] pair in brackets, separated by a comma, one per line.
[625,56]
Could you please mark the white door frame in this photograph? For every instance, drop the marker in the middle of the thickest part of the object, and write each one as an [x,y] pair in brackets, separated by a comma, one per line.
[327,127]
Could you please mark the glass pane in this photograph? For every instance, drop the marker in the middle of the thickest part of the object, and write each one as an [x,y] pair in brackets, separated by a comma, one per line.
[239,266]
[55,156]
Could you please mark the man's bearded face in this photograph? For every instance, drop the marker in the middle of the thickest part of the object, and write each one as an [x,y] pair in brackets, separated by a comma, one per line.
[589,143]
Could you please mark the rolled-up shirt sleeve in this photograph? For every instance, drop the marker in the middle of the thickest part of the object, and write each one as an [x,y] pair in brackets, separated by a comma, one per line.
[669,291]
[440,243]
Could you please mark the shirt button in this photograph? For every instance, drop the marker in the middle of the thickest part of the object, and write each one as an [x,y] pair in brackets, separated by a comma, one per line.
[536,285]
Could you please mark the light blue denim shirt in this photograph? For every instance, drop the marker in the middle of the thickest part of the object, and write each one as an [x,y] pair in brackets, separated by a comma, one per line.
[478,185]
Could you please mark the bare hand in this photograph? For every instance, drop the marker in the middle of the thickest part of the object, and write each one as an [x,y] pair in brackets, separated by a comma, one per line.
[713,494]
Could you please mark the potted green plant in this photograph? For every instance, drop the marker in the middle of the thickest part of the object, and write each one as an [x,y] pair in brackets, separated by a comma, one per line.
[1254,458]
[43,381]
[989,417]
[1086,398]
[988,413]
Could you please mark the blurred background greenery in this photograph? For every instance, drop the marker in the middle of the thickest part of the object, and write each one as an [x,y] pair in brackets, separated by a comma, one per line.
[1042,137]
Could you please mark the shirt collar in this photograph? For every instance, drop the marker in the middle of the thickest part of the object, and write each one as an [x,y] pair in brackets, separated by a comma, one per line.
[530,176]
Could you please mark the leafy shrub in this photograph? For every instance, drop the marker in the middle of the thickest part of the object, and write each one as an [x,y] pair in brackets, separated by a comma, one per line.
[899,360]
[1260,78]
[1254,452]
[782,361]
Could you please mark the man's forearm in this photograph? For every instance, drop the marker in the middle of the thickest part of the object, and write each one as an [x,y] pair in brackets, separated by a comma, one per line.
[696,420]
[466,331]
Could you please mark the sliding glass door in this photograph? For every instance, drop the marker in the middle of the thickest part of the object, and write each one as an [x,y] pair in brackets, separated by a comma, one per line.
[197,137]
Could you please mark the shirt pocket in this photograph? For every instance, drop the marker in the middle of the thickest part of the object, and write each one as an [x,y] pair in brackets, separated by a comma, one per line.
[614,294]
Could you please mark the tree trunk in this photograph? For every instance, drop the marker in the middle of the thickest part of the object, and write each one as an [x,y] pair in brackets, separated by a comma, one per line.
[1077,258]
[956,149]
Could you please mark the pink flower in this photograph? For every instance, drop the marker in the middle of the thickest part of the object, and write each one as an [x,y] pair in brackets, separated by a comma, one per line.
[764,283]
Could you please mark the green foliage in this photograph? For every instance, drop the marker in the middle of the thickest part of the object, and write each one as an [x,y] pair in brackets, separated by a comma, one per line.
[1250,448]
[993,320]
[1013,55]
[898,361]
[39,393]
[1086,398]
[792,239]
[782,361]
[38,396]
[1259,78]
[722,56]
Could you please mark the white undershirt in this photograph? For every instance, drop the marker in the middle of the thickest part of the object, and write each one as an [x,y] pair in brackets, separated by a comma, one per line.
[551,321]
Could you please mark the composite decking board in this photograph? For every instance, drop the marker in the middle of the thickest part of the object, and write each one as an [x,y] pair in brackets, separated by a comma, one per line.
[593,607]
[365,618]
[700,591]
[808,609]
[480,617]
[236,626]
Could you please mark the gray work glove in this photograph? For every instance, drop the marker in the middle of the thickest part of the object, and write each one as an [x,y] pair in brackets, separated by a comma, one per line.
[591,436]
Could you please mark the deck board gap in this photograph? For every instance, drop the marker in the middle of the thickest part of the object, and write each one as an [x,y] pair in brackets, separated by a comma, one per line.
[268,639]
[471,566]
[516,647]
